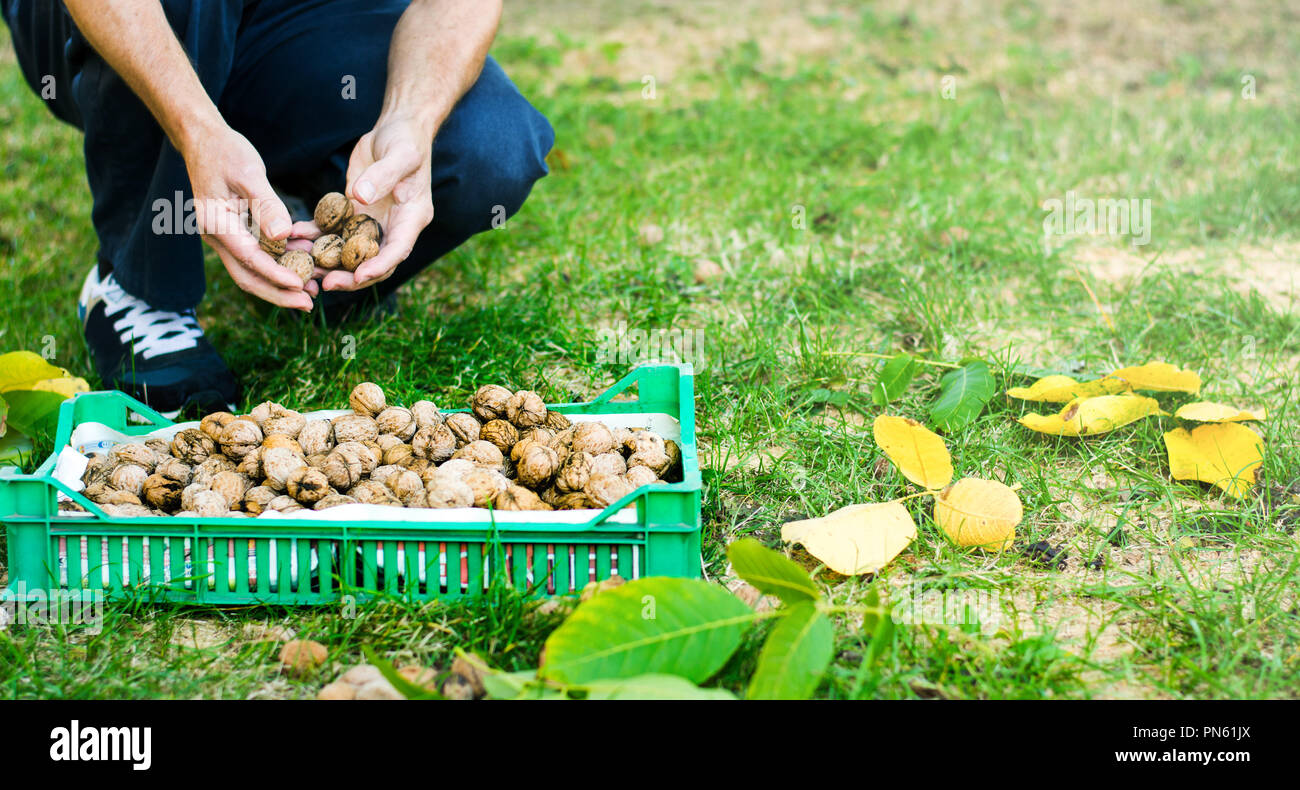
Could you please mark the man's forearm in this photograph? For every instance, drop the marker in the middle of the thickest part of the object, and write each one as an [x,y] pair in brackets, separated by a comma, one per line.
[136,40]
[437,52]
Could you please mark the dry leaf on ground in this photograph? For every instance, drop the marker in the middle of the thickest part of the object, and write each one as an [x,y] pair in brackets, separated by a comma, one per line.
[1205,411]
[855,539]
[1090,416]
[1063,389]
[1159,377]
[1223,454]
[917,451]
[979,513]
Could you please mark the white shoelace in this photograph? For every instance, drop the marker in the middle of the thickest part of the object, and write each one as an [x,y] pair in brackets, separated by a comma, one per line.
[151,332]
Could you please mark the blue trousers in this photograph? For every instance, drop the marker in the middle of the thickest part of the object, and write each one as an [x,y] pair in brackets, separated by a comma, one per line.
[302,80]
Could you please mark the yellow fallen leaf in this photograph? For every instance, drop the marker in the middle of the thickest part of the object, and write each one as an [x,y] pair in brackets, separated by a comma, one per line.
[66,386]
[1222,454]
[1063,389]
[19,370]
[917,451]
[979,513]
[1159,377]
[1089,416]
[1205,411]
[857,538]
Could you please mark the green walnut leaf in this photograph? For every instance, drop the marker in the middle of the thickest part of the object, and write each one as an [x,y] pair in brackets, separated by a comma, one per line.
[895,375]
[655,625]
[795,655]
[771,572]
[963,393]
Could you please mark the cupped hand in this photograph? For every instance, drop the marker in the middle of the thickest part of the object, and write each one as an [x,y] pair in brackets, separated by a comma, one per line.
[388,176]
[233,201]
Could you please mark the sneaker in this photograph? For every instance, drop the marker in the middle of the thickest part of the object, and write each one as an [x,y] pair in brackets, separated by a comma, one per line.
[158,357]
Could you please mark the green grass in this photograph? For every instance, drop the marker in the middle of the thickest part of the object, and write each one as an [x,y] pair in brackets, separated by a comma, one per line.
[1197,601]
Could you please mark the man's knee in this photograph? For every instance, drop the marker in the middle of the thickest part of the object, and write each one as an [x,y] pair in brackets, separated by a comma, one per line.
[489,155]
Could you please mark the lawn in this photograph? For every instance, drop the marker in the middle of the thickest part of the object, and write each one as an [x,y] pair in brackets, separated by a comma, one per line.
[802,191]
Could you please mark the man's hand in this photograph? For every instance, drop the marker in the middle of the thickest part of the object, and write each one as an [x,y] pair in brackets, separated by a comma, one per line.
[437,53]
[228,179]
[389,175]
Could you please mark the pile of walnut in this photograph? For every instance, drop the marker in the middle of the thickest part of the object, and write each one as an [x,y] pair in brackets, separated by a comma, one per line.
[349,240]
[509,452]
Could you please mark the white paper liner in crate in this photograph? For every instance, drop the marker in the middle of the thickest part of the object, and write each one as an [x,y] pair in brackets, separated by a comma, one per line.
[91,437]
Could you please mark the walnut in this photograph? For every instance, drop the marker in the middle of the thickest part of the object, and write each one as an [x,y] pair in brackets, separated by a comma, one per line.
[367,455]
[405,485]
[537,466]
[448,492]
[272,247]
[373,452]
[486,485]
[98,467]
[592,437]
[326,250]
[382,473]
[371,492]
[418,498]
[362,225]
[240,437]
[283,421]
[608,464]
[316,437]
[483,453]
[132,453]
[604,490]
[278,464]
[162,492]
[104,494]
[188,493]
[343,467]
[425,414]
[455,469]
[355,428]
[674,452]
[556,421]
[213,424]
[642,441]
[357,250]
[464,427]
[250,465]
[175,469]
[436,442]
[638,476]
[211,504]
[257,498]
[398,453]
[333,500]
[232,486]
[398,421]
[517,497]
[528,438]
[205,471]
[129,477]
[283,442]
[562,441]
[656,460]
[128,511]
[576,500]
[501,433]
[283,504]
[300,263]
[259,413]
[489,402]
[417,464]
[526,409]
[332,211]
[316,460]
[307,485]
[367,399]
[574,473]
[162,449]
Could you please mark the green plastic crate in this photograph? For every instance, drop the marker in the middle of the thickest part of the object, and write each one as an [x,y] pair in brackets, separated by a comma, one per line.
[301,561]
